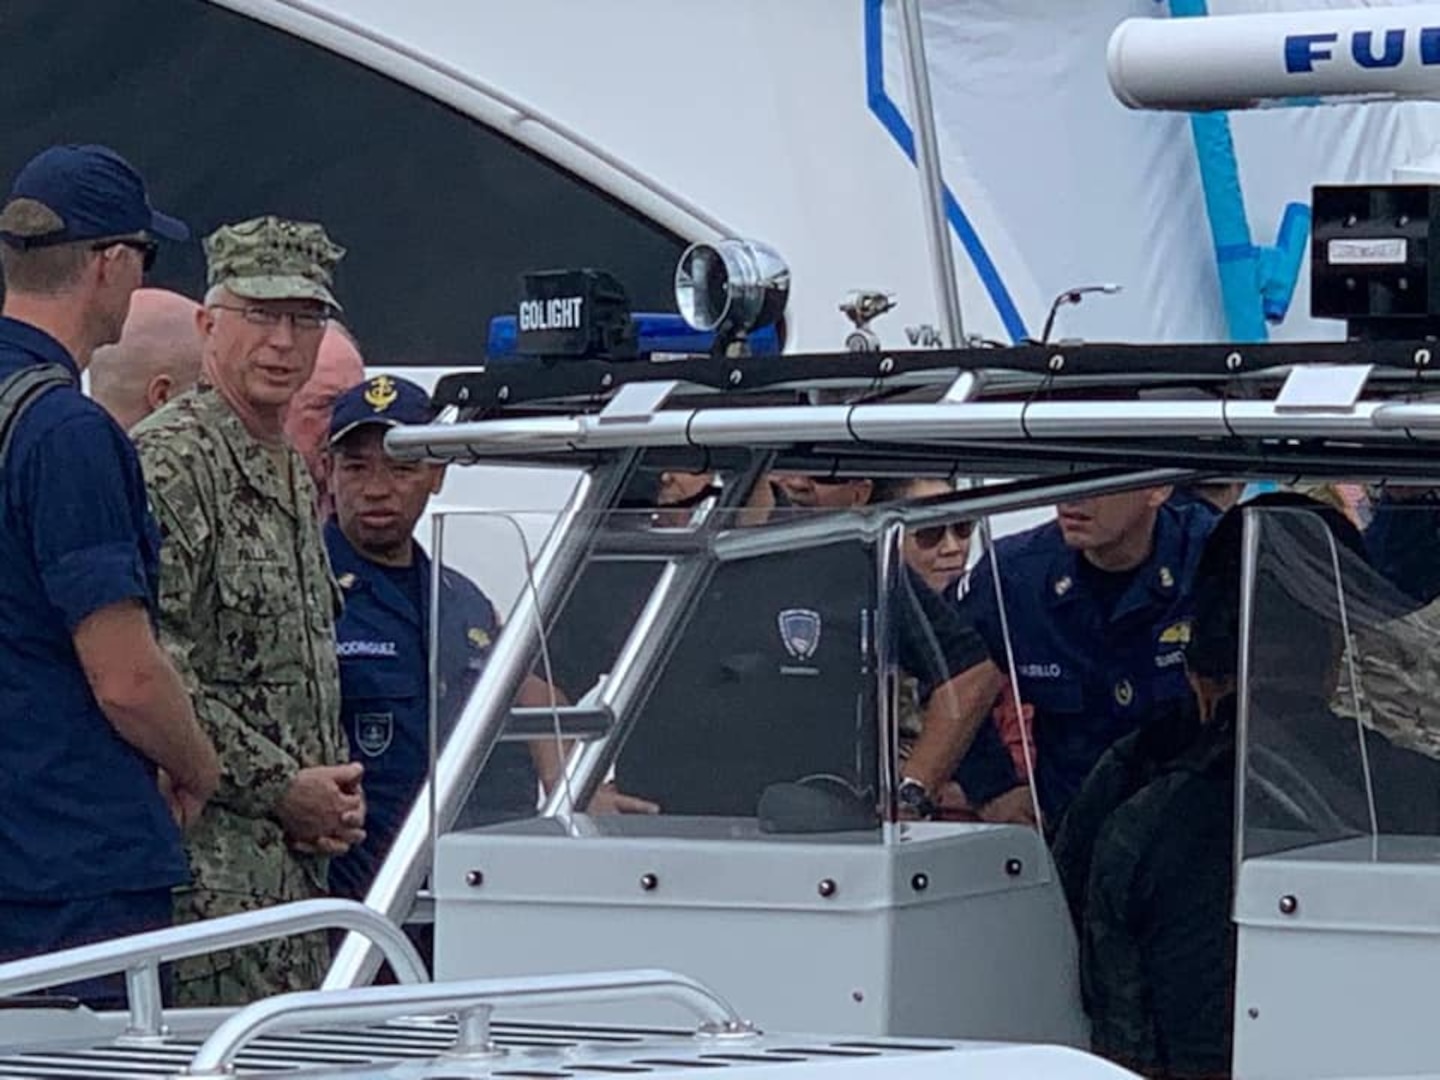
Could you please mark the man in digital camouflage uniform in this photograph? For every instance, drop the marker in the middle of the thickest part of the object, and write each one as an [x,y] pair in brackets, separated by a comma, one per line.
[248,605]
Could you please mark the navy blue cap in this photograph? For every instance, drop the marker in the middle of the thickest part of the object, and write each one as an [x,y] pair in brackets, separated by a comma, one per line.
[382,399]
[94,192]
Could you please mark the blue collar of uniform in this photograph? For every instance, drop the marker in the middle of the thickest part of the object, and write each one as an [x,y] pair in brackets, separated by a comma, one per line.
[32,339]
[344,559]
[1158,576]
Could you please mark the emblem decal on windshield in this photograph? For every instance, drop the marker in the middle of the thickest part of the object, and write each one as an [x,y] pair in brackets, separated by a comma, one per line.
[800,632]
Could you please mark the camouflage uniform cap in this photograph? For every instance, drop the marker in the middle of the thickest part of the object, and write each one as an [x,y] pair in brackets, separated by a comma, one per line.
[270,258]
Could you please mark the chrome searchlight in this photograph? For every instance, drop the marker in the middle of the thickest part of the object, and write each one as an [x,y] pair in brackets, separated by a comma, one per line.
[731,287]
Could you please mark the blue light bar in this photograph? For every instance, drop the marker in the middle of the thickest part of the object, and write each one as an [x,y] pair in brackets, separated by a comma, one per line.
[658,332]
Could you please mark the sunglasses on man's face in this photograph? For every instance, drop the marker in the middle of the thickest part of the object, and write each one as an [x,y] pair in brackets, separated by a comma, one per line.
[147,249]
[929,536]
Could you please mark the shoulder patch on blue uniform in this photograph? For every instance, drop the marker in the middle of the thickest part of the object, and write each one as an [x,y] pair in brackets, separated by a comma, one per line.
[1177,633]
[478,637]
[373,732]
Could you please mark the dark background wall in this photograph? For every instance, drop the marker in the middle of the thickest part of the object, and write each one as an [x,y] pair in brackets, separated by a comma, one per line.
[229,118]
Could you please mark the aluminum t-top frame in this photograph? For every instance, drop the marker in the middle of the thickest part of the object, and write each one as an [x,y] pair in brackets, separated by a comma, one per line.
[1071,420]
[1349,407]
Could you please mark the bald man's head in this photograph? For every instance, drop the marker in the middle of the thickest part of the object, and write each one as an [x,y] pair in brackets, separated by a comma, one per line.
[156,358]
[338,367]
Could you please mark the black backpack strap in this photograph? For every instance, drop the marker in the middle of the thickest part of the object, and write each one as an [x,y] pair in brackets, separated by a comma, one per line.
[21,390]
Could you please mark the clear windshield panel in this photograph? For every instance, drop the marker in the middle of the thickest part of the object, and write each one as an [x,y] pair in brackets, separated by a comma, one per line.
[1339,692]
[736,649]
[955,722]
[482,582]
[766,668]
[693,662]
[781,667]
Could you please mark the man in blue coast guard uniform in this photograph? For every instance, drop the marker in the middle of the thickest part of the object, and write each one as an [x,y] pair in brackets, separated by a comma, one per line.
[383,632]
[91,709]
[1098,607]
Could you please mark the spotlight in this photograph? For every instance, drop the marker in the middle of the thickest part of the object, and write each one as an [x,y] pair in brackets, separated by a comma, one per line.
[731,287]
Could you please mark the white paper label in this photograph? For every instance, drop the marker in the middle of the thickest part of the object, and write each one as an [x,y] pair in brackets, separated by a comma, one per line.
[1363,252]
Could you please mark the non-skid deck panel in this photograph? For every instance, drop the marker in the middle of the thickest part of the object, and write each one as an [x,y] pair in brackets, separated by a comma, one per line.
[538,1052]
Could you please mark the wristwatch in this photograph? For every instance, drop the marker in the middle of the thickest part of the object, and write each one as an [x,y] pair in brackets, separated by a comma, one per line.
[914,797]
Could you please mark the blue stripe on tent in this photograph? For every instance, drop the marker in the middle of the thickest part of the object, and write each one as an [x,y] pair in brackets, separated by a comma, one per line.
[1237,259]
[893,121]
[1236,252]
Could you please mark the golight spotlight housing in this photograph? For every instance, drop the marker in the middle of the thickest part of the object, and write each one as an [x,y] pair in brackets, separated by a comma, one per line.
[731,287]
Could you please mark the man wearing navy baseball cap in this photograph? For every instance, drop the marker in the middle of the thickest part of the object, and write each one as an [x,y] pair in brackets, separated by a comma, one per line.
[90,193]
[385,576]
[99,746]
[384,402]
[78,227]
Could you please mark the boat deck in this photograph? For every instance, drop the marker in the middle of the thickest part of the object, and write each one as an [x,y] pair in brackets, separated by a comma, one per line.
[527,1051]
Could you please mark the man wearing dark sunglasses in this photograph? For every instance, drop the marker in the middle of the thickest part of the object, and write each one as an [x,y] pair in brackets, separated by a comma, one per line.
[78,222]
[143,246]
[820,492]
[90,706]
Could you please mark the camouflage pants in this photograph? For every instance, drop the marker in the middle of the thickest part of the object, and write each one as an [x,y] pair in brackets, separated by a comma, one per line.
[246,974]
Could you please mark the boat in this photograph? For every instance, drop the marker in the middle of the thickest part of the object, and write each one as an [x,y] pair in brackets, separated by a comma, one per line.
[775,923]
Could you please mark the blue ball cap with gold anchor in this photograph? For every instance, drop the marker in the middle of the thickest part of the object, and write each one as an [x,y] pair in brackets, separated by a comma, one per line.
[382,399]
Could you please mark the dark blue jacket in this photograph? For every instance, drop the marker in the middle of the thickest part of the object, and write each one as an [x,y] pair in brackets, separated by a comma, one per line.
[382,641]
[1150,845]
[80,814]
[1090,679]
[1403,540]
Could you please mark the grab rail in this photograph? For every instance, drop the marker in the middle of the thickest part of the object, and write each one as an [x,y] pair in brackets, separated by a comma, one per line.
[140,955]
[471,1000]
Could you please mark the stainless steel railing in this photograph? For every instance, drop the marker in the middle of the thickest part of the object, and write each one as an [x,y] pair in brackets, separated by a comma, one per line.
[139,956]
[471,1001]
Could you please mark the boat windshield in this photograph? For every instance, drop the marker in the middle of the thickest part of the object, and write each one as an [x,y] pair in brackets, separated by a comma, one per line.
[1339,692]
[763,669]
